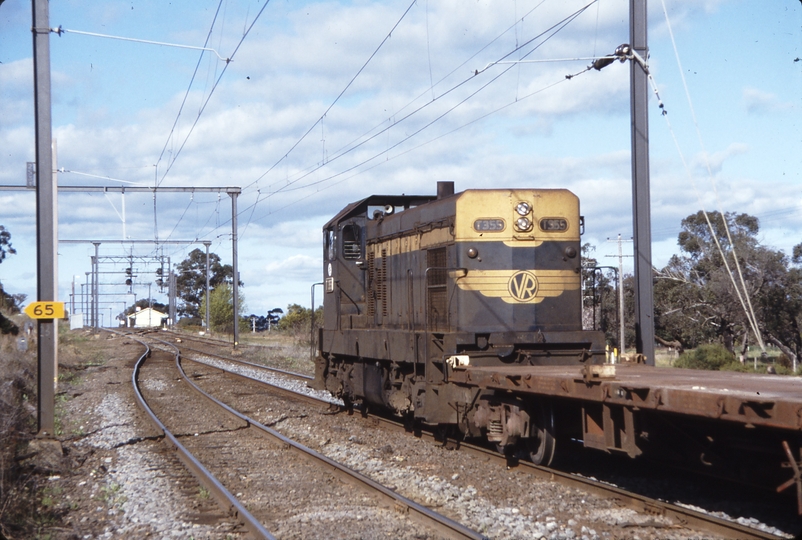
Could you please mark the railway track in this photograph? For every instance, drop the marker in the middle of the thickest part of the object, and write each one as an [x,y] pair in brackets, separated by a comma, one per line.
[688,517]
[247,465]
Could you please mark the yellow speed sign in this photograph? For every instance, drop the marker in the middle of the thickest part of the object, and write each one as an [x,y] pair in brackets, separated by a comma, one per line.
[45,310]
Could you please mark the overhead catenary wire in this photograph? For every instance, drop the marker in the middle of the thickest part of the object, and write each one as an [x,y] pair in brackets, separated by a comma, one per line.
[189,87]
[399,111]
[550,32]
[211,92]
[61,30]
[478,119]
[103,177]
[340,95]
[744,299]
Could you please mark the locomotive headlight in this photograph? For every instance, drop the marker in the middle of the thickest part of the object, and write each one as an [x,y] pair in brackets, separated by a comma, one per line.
[472,253]
[523,224]
[523,208]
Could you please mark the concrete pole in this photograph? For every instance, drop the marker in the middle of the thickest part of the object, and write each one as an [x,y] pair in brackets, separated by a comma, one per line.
[86,321]
[207,244]
[641,204]
[236,272]
[621,342]
[96,286]
[46,202]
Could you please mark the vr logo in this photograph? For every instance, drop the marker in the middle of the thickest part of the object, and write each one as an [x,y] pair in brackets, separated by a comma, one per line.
[523,286]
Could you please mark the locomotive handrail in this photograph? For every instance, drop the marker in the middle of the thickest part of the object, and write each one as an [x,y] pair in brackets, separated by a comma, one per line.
[426,309]
[312,324]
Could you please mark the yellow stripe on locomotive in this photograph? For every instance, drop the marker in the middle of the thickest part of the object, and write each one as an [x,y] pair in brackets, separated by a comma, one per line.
[517,217]
[519,286]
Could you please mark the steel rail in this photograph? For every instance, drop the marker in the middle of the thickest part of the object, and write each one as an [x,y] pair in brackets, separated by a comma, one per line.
[301,376]
[227,501]
[294,375]
[685,516]
[419,512]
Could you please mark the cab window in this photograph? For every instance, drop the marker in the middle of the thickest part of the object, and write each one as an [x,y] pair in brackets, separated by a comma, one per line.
[331,243]
[352,247]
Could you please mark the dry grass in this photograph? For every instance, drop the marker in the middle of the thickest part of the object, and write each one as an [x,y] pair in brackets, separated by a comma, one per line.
[280,349]
[29,507]
[18,485]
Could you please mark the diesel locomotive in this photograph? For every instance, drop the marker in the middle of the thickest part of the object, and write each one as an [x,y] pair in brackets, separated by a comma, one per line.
[419,286]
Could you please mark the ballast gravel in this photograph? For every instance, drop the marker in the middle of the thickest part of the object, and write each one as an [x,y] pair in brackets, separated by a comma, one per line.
[122,481]
[119,480]
[504,506]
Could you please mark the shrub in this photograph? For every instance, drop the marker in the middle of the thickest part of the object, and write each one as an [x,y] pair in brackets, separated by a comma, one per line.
[783,370]
[187,322]
[736,366]
[783,361]
[711,357]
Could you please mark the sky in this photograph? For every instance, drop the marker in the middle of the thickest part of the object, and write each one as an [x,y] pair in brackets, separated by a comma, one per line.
[312,105]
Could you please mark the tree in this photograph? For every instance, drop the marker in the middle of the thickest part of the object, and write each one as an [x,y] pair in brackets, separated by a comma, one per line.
[143,303]
[8,302]
[221,308]
[5,244]
[191,280]
[11,303]
[600,298]
[697,302]
[298,319]
[265,322]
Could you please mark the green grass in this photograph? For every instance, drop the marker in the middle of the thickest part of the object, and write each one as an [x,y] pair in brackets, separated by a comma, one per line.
[110,495]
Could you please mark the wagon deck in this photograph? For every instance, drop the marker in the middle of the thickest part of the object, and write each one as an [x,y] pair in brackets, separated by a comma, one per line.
[754,400]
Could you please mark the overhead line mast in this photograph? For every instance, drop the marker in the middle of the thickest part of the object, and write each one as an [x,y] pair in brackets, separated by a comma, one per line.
[641,206]
[46,239]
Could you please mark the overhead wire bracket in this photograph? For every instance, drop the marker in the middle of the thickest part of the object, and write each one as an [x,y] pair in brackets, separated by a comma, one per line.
[61,30]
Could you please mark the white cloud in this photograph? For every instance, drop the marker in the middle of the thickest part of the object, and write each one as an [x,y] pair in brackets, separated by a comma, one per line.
[113,113]
[759,102]
[715,161]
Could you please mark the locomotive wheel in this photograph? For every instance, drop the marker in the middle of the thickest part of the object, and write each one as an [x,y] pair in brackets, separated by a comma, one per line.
[541,444]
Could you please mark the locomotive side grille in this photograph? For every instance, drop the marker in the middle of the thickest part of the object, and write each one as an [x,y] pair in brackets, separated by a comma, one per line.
[383,282]
[371,284]
[436,286]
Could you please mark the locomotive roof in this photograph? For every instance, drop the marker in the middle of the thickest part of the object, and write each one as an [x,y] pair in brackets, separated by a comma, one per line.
[361,207]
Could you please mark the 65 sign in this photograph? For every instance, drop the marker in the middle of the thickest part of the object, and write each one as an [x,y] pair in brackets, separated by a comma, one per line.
[45,310]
